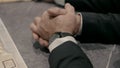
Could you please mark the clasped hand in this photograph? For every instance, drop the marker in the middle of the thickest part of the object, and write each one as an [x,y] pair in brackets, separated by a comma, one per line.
[54,20]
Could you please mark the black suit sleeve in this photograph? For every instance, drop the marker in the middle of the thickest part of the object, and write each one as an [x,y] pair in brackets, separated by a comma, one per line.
[99,6]
[100,28]
[101,20]
[69,55]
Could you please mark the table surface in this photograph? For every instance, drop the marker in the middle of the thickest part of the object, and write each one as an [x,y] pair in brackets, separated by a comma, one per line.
[17,18]
[9,54]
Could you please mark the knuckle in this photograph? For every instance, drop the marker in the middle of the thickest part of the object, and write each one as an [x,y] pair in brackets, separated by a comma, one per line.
[72,8]
[45,13]
[36,19]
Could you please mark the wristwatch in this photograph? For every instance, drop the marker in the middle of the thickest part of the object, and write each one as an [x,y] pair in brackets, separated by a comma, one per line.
[58,35]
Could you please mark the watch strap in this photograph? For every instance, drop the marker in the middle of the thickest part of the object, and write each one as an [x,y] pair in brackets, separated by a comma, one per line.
[63,34]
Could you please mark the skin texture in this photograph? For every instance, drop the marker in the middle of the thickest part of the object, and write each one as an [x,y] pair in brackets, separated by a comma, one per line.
[55,20]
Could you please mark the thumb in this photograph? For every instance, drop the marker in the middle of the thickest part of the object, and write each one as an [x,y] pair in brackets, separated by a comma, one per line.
[53,12]
[69,8]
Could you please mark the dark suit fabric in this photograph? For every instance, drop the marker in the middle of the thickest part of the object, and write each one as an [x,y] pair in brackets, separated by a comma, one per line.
[101,20]
[69,55]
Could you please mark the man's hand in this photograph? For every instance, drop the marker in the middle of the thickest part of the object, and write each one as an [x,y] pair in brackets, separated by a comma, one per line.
[62,23]
[55,20]
[34,26]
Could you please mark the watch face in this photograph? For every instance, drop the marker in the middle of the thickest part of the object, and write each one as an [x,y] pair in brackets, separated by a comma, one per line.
[55,36]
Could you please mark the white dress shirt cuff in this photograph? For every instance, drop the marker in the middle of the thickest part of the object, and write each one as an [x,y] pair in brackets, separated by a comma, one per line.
[60,41]
[81,24]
